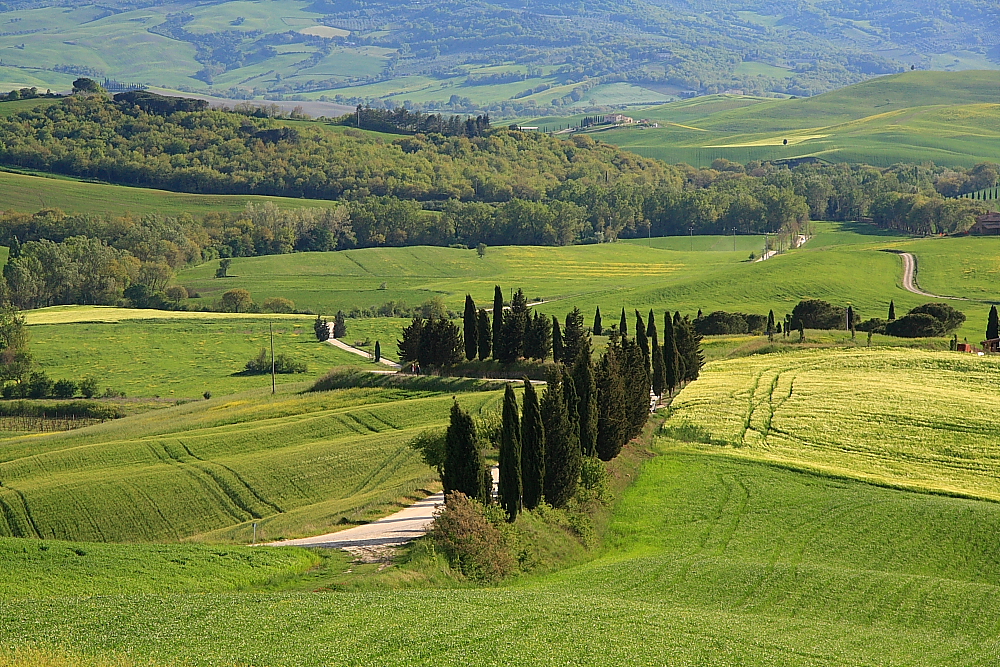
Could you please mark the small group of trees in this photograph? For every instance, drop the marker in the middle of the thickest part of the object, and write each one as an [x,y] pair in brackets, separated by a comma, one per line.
[283,364]
[324,331]
[403,121]
[39,385]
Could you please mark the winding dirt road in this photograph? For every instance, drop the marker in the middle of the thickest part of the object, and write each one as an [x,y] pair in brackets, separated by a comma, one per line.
[910,278]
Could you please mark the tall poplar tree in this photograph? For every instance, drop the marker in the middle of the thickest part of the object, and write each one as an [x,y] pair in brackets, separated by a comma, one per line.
[485,335]
[463,460]
[509,489]
[562,454]
[598,328]
[557,340]
[497,321]
[471,329]
[992,325]
[532,449]
[671,371]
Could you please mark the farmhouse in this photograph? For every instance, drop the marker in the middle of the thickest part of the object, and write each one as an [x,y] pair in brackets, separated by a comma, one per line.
[619,119]
[986,224]
[991,345]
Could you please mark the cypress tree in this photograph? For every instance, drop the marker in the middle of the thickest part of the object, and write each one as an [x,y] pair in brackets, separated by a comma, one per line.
[485,335]
[992,325]
[515,324]
[623,325]
[637,387]
[611,412]
[651,330]
[463,460]
[659,372]
[471,329]
[537,338]
[509,488]
[892,310]
[409,346]
[572,400]
[574,336]
[640,338]
[557,341]
[562,455]
[598,328]
[339,324]
[671,371]
[770,325]
[532,449]
[497,321]
[378,352]
[688,348]
[586,387]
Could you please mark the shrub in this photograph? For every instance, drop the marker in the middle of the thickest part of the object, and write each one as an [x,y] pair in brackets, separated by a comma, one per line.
[915,325]
[88,387]
[720,323]
[949,318]
[176,293]
[817,314]
[283,364]
[472,543]
[39,385]
[594,481]
[278,304]
[207,395]
[236,301]
[874,325]
[64,389]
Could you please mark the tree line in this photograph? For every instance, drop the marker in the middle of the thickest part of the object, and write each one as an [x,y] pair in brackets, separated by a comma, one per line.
[402,121]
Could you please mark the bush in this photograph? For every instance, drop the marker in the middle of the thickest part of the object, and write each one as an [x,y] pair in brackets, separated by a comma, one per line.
[915,325]
[817,314]
[594,481]
[64,389]
[278,304]
[874,325]
[39,385]
[472,543]
[236,301]
[949,318]
[88,387]
[176,293]
[721,323]
[283,364]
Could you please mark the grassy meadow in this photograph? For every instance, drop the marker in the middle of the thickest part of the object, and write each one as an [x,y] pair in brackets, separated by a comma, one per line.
[296,464]
[717,554]
[945,117]
[172,354]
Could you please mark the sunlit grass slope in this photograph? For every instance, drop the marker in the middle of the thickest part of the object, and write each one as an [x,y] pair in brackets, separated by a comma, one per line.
[294,463]
[172,354]
[946,117]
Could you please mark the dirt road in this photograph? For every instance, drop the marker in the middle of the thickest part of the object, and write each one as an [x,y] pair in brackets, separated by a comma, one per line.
[910,278]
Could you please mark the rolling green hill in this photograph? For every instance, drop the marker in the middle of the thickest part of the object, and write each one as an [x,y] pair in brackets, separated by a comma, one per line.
[722,553]
[293,463]
[944,117]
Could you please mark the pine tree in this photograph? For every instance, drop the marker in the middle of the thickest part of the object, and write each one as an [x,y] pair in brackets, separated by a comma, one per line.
[532,449]
[485,335]
[378,352]
[992,325]
[598,329]
[611,411]
[557,341]
[574,336]
[671,371]
[640,338]
[562,455]
[586,387]
[471,329]
[497,321]
[892,310]
[463,460]
[623,325]
[509,490]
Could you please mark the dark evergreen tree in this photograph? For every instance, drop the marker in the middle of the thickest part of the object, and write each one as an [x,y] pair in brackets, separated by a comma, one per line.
[537,338]
[640,338]
[598,327]
[532,449]
[688,347]
[992,325]
[586,388]
[339,324]
[485,335]
[671,371]
[574,336]
[440,343]
[515,323]
[612,428]
[892,310]
[378,352]
[770,325]
[463,460]
[557,341]
[471,328]
[409,346]
[509,490]
[498,317]
[623,325]
[659,381]
[651,330]
[637,387]
[572,401]
[562,453]
[322,329]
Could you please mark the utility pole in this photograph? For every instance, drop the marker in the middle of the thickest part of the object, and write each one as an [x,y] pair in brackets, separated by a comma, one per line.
[271,332]
[691,234]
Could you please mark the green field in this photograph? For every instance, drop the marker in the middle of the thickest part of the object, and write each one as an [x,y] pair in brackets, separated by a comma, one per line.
[172,355]
[296,464]
[945,117]
[722,553]
[27,193]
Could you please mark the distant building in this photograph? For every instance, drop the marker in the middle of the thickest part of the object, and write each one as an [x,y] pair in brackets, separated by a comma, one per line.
[966,347]
[618,119]
[991,345]
[986,224]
